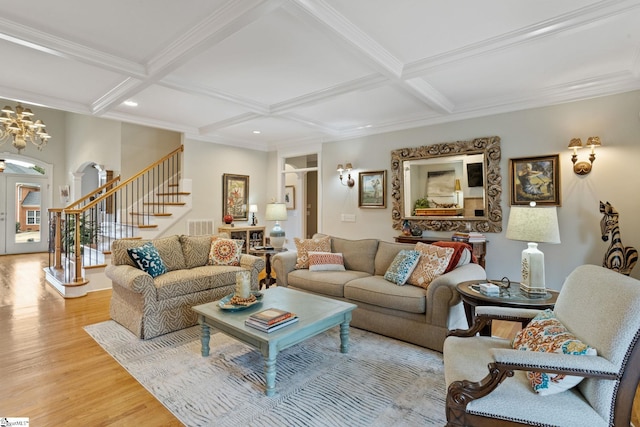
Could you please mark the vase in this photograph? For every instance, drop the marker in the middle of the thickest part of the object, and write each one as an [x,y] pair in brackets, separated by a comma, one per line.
[228,218]
[406,228]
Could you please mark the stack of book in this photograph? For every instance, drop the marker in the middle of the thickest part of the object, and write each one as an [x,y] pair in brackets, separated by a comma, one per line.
[270,319]
[475,237]
[460,236]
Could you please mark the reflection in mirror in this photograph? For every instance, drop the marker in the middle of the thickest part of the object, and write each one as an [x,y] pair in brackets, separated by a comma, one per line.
[449,186]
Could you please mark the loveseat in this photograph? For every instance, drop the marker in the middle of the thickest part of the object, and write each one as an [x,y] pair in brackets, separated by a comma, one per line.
[409,313]
[151,306]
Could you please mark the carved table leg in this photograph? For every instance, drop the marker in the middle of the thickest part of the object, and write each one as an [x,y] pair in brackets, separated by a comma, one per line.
[270,372]
[344,337]
[205,335]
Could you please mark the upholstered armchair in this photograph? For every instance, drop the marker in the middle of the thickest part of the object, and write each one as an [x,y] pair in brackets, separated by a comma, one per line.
[491,384]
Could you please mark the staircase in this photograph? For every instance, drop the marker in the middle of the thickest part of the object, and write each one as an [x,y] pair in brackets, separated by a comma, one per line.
[141,207]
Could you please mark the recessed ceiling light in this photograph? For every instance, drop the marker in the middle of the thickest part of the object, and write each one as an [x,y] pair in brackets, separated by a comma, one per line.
[130,103]
[257,132]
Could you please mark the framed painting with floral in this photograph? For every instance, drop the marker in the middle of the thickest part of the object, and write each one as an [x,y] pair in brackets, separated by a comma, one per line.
[235,196]
[535,179]
[372,191]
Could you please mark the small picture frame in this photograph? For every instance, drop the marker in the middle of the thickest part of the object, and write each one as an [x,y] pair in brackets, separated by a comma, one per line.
[290,197]
[235,196]
[535,179]
[372,191]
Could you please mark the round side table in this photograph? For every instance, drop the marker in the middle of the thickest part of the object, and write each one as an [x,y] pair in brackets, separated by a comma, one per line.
[509,297]
[268,279]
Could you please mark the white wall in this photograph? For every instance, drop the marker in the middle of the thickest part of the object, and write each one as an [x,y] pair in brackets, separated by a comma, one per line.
[142,146]
[205,163]
[533,132]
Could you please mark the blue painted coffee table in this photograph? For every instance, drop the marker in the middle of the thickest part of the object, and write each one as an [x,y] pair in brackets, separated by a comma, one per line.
[317,314]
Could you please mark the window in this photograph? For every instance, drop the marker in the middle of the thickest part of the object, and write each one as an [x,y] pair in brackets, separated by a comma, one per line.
[33,217]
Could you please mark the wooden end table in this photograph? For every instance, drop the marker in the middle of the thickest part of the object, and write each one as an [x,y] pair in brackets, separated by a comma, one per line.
[509,297]
[268,279]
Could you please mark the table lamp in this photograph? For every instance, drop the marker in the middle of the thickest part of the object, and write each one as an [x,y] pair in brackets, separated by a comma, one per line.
[253,209]
[534,225]
[276,212]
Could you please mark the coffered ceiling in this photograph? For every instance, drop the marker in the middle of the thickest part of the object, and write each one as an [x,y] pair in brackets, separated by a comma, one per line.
[303,71]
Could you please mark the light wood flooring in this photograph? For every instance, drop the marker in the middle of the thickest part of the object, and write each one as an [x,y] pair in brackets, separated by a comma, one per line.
[52,372]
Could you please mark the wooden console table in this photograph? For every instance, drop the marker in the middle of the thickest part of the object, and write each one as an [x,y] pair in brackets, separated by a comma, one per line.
[479,249]
[253,235]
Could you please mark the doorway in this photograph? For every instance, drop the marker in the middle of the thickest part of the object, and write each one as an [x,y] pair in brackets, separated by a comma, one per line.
[24,204]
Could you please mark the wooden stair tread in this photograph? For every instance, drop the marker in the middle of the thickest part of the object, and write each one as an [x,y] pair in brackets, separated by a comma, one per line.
[151,213]
[166,203]
[176,193]
[145,225]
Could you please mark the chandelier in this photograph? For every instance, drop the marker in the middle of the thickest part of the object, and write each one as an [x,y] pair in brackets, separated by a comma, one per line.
[21,127]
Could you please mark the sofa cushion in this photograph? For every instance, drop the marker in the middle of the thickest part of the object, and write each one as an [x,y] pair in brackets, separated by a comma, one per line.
[169,249]
[225,251]
[359,255]
[402,266]
[303,246]
[326,261]
[196,248]
[545,333]
[433,262]
[385,255]
[147,259]
[189,281]
[375,290]
[329,283]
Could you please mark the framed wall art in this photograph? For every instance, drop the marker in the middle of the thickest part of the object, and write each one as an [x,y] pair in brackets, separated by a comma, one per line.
[535,179]
[372,191]
[235,196]
[290,197]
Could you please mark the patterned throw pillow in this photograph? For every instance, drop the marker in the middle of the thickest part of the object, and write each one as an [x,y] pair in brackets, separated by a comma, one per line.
[433,262]
[545,333]
[325,261]
[225,251]
[402,266]
[147,259]
[304,246]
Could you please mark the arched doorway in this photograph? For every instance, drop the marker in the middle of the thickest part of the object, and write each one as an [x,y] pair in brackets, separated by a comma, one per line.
[25,197]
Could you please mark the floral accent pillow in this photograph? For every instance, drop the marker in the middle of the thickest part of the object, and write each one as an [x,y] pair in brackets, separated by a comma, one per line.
[326,261]
[402,266]
[304,246]
[545,333]
[225,251]
[147,259]
[433,262]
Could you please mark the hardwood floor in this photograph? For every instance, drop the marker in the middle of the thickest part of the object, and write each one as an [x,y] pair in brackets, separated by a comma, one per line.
[56,375]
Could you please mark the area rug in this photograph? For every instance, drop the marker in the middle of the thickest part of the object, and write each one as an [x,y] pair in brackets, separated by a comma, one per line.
[379,382]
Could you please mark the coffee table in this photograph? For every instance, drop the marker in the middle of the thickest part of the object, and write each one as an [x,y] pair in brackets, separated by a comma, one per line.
[317,314]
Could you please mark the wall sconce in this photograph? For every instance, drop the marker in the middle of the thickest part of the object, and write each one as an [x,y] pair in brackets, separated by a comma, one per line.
[347,169]
[583,168]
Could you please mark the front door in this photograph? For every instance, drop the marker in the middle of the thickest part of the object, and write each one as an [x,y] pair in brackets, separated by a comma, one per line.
[23,213]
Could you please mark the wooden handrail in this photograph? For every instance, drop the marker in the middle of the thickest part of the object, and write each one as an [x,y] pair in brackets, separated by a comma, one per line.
[94,192]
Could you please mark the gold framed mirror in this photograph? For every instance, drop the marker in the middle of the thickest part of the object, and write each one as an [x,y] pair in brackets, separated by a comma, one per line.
[437,187]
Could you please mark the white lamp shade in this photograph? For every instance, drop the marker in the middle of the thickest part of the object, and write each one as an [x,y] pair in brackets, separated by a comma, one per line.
[533,224]
[253,208]
[276,212]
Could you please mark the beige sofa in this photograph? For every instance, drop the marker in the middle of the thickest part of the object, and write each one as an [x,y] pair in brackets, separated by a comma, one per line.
[409,313]
[148,306]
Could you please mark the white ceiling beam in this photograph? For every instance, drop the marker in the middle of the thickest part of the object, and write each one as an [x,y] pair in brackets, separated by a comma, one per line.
[587,15]
[232,121]
[67,49]
[430,96]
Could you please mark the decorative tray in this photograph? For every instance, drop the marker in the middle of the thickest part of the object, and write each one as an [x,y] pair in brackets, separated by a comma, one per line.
[224,303]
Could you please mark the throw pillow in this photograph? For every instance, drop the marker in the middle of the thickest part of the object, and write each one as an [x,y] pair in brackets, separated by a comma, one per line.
[402,266]
[225,251]
[304,246]
[325,261]
[545,333]
[147,259]
[433,262]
